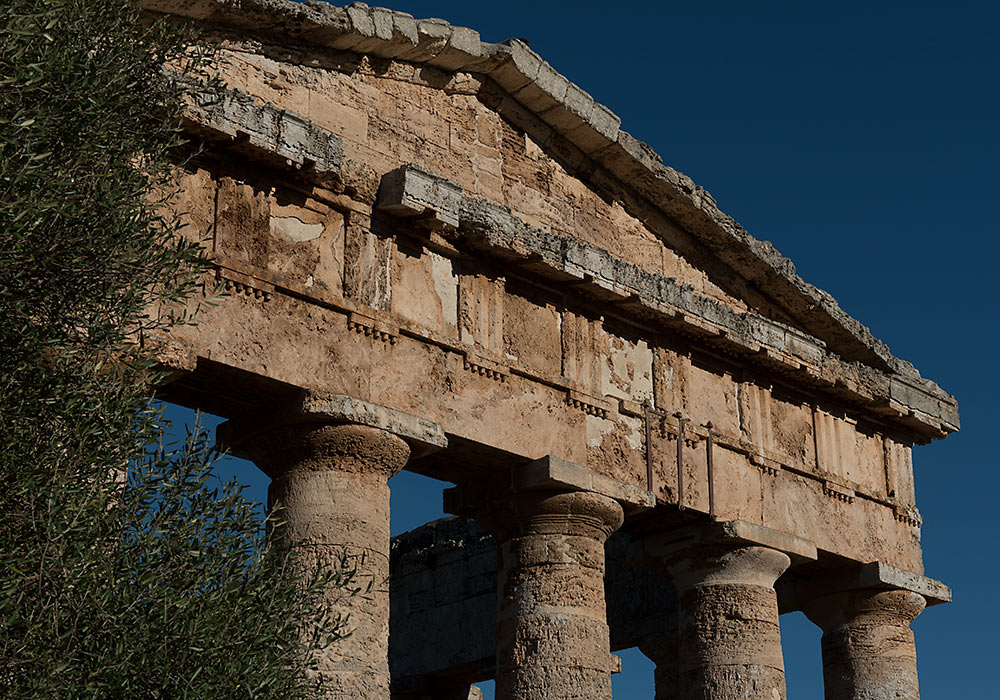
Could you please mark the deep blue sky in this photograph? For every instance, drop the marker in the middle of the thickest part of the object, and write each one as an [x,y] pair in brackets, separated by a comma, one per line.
[862,140]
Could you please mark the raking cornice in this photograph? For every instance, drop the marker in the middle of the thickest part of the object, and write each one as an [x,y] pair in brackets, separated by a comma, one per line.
[591,127]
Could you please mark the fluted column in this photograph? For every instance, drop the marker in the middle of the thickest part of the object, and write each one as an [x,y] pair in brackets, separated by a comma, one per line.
[868,647]
[331,480]
[552,631]
[661,649]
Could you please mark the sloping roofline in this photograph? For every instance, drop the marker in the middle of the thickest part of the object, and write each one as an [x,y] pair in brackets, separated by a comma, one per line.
[590,126]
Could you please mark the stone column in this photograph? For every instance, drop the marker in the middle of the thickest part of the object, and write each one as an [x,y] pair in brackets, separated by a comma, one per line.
[331,480]
[868,647]
[729,641]
[661,649]
[552,631]
[728,638]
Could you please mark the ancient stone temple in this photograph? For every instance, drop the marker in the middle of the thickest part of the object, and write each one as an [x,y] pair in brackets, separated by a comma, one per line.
[444,257]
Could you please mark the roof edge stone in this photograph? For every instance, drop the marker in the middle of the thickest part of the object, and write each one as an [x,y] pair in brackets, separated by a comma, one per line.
[572,112]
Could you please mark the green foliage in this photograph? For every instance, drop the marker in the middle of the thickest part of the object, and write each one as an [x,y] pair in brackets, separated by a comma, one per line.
[123,572]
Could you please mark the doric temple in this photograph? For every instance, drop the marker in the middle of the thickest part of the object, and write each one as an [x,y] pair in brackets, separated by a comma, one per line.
[444,257]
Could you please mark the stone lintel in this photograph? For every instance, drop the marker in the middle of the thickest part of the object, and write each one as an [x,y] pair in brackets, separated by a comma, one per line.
[736,532]
[546,474]
[311,405]
[796,593]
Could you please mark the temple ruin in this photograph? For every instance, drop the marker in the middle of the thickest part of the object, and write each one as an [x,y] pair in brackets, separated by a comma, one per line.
[445,257]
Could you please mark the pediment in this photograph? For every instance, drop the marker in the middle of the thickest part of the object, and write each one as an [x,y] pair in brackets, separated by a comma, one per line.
[511,161]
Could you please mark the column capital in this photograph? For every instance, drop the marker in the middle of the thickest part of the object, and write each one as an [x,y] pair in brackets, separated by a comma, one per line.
[733,551]
[584,513]
[317,429]
[329,457]
[547,475]
[865,607]
[317,447]
[729,641]
[551,520]
[876,575]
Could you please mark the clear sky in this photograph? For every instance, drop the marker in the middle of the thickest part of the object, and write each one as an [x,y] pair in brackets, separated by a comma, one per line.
[862,140]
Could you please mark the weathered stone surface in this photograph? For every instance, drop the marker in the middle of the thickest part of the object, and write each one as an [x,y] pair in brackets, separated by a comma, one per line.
[492,229]
[868,648]
[331,481]
[572,113]
[552,634]
[796,594]
[269,133]
[444,590]
[445,241]
[411,191]
[546,474]
[728,640]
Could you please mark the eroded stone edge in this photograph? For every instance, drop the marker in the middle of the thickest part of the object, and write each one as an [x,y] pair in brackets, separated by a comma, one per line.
[491,228]
[590,126]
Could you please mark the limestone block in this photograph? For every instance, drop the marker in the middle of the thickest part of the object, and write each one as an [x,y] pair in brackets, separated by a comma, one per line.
[481,314]
[277,339]
[544,91]
[340,105]
[370,29]
[307,246]
[899,472]
[269,132]
[708,394]
[737,486]
[412,191]
[194,202]
[791,430]
[518,65]
[852,456]
[432,36]
[780,428]
[599,130]
[313,404]
[425,289]
[463,47]
[794,503]
[367,265]
[569,111]
[583,344]
[923,399]
[627,370]
[243,224]
[865,459]
[532,333]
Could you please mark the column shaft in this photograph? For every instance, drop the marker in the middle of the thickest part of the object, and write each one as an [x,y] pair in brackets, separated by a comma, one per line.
[868,647]
[729,643]
[331,481]
[552,631]
[661,649]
